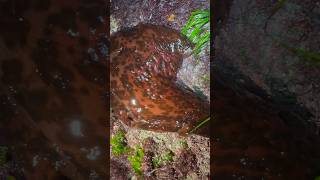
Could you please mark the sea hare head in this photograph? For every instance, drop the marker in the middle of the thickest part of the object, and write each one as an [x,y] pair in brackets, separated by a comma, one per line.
[144,94]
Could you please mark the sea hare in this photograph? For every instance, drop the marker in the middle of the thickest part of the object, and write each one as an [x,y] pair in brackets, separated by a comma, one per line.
[144,91]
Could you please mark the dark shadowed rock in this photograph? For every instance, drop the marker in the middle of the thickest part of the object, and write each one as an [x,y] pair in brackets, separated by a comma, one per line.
[256,50]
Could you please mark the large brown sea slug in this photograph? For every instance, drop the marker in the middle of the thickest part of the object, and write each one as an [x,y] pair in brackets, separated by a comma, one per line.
[144,92]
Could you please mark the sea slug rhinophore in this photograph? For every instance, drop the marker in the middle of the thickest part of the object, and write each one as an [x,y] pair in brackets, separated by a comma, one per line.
[144,93]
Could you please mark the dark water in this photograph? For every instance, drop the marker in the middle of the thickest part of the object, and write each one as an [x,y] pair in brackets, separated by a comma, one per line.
[53,108]
[144,94]
[252,141]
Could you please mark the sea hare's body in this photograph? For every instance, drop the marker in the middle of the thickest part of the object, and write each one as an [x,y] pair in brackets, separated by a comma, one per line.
[144,93]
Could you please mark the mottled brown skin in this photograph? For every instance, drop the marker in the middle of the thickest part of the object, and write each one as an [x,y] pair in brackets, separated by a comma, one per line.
[144,93]
[49,80]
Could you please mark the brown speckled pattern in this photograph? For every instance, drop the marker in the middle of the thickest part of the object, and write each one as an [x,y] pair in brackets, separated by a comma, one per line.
[144,93]
[53,98]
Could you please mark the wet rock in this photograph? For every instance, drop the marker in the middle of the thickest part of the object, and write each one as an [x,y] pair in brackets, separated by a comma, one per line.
[149,147]
[257,39]
[166,172]
[185,163]
[159,144]
[131,13]
[119,170]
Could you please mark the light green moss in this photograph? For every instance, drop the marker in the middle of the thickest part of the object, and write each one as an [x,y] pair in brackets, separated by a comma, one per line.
[118,144]
[184,144]
[136,160]
[306,55]
[205,78]
[162,159]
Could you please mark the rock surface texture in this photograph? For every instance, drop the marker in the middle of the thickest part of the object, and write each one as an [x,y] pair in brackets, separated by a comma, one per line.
[266,90]
[263,48]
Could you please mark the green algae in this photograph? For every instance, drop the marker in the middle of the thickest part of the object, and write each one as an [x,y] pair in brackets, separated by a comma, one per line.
[118,144]
[136,160]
